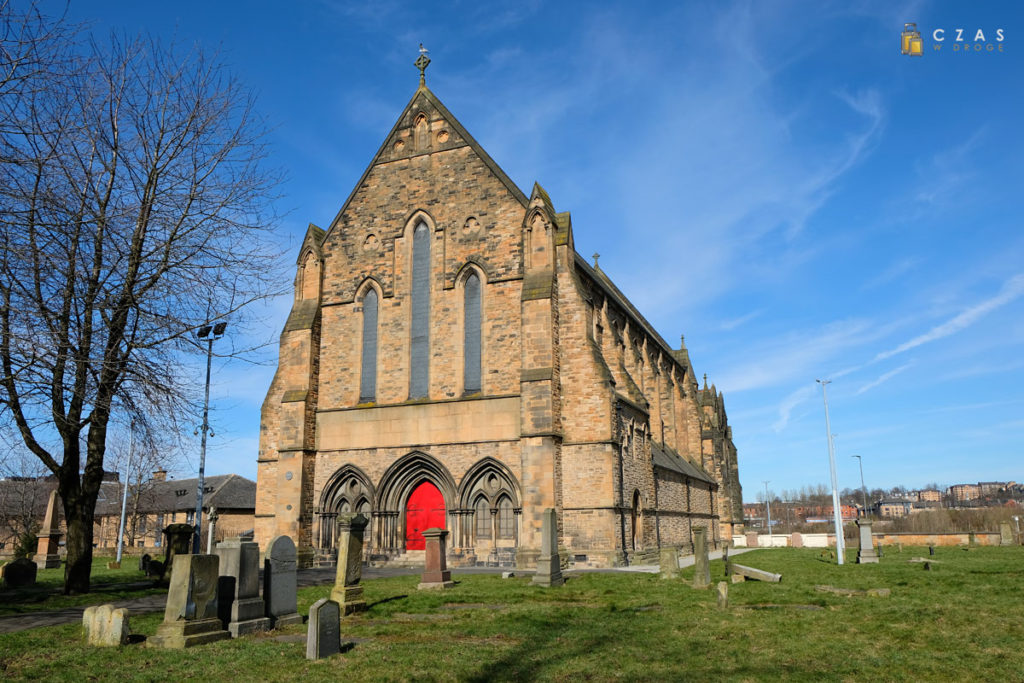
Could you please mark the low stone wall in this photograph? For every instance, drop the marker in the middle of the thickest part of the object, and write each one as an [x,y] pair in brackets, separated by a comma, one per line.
[829,540]
[965,538]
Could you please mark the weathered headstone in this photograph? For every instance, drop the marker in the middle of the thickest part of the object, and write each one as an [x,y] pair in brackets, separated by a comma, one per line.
[931,550]
[191,614]
[755,574]
[106,625]
[323,634]
[435,571]
[1005,534]
[751,539]
[701,566]
[725,560]
[144,563]
[239,603]
[177,541]
[549,571]
[796,540]
[20,573]
[723,594]
[280,583]
[48,548]
[669,563]
[879,549]
[866,552]
[347,592]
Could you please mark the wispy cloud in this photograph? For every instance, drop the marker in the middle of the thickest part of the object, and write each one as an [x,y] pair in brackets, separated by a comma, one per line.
[729,325]
[1011,290]
[893,272]
[789,403]
[883,378]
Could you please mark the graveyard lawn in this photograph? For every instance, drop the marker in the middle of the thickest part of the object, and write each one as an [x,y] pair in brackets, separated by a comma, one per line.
[958,620]
[108,585]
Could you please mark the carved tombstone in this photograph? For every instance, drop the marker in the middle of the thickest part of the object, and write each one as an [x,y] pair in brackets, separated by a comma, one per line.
[549,571]
[347,592]
[280,583]
[106,625]
[435,572]
[240,606]
[669,563]
[323,633]
[191,614]
[866,552]
[701,566]
[47,551]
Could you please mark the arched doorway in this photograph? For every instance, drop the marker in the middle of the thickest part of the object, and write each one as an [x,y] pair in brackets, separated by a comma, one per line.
[638,520]
[424,510]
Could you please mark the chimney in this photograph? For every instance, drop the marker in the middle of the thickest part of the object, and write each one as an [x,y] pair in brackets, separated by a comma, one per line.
[160,475]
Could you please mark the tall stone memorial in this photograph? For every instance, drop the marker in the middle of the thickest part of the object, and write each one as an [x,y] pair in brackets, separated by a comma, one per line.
[191,614]
[280,583]
[701,566]
[435,573]
[347,592]
[47,551]
[1005,534]
[549,571]
[866,552]
[240,606]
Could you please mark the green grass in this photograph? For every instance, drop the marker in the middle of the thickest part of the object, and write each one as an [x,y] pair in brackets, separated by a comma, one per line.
[961,620]
[108,585]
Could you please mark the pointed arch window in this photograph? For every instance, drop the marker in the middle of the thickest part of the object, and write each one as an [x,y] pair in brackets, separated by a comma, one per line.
[368,375]
[506,520]
[471,340]
[482,513]
[419,376]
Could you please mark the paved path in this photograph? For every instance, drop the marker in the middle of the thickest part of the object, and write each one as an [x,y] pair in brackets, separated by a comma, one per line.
[306,577]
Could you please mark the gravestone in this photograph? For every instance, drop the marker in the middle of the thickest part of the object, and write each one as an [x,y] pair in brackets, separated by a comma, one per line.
[106,625]
[796,540]
[347,592]
[701,566]
[239,604]
[20,573]
[549,572]
[866,552]
[725,560]
[723,594]
[435,571]
[323,635]
[1005,534]
[48,549]
[280,583]
[751,539]
[144,563]
[190,617]
[178,541]
[668,562]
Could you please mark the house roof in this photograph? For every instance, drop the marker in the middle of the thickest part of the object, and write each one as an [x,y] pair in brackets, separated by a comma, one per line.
[225,491]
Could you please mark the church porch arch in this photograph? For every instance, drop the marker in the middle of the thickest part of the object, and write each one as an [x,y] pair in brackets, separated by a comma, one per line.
[390,506]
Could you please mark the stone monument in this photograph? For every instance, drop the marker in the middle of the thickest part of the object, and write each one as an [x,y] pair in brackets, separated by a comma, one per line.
[177,541]
[239,603]
[549,571]
[435,571]
[723,594]
[280,583]
[323,634]
[106,625]
[347,592]
[1005,534]
[20,573]
[191,614]
[669,563]
[48,549]
[866,552]
[701,566]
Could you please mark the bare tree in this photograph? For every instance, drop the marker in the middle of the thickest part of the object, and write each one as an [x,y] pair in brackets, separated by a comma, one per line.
[132,200]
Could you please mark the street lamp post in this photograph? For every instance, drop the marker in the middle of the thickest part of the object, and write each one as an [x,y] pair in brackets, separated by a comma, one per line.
[768,512]
[836,513]
[863,489]
[207,333]
[124,497]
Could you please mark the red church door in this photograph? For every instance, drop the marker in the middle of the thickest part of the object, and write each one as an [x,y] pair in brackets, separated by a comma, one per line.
[425,510]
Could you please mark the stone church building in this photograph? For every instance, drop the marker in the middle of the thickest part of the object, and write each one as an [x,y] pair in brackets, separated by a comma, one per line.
[451,361]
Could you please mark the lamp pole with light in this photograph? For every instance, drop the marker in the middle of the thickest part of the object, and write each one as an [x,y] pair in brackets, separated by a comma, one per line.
[207,333]
[836,513]
[768,512]
[863,489]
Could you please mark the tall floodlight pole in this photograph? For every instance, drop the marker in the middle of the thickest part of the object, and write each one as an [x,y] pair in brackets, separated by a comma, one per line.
[207,333]
[863,490]
[768,512]
[836,513]
[124,497]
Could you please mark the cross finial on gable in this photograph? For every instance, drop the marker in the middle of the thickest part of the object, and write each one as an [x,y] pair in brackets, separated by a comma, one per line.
[596,256]
[422,62]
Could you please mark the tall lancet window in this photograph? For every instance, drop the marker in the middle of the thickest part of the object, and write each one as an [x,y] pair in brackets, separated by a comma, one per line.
[368,376]
[471,339]
[419,376]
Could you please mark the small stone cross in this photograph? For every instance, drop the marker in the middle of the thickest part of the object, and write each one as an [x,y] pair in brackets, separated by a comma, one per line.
[422,62]
[596,256]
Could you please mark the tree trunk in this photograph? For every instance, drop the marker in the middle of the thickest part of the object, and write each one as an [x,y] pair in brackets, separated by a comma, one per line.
[79,515]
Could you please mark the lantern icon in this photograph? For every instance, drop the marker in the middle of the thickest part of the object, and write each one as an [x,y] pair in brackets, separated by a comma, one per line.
[911,41]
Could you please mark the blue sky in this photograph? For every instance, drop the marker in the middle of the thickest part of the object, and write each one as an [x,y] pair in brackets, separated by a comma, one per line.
[773,180]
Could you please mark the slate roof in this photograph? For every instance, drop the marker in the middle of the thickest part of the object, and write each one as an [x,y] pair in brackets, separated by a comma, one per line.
[225,491]
[668,459]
